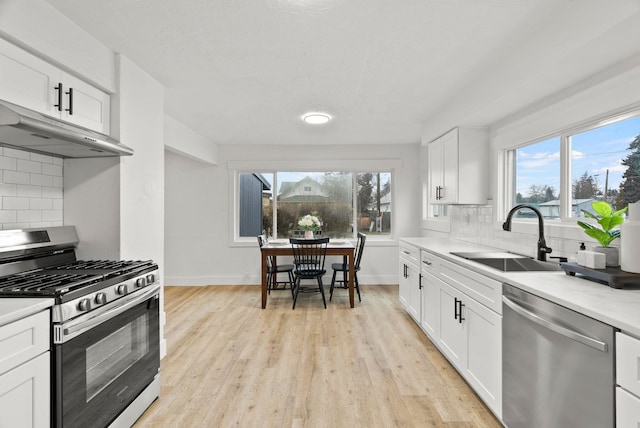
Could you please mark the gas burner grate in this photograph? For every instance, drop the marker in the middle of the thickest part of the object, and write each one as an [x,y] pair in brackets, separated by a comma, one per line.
[100,264]
[39,284]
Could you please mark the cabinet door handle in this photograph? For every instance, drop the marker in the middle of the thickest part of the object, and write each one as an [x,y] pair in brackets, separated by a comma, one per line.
[427,262]
[59,90]
[420,281]
[457,309]
[70,109]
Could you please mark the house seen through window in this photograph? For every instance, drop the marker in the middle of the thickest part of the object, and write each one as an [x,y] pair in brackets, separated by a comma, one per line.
[345,202]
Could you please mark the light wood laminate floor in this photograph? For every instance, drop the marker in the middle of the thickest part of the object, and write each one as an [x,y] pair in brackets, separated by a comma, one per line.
[232,364]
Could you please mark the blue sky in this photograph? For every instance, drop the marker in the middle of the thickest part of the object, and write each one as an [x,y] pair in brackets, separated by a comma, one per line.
[594,151]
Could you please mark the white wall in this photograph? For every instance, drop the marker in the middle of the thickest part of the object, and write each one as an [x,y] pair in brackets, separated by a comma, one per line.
[197,220]
[182,140]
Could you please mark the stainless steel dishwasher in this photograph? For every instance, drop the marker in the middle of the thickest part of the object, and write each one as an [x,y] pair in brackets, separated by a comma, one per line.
[557,365]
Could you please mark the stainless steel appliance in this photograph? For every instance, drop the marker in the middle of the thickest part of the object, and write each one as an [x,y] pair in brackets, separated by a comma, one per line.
[558,365]
[105,325]
[29,130]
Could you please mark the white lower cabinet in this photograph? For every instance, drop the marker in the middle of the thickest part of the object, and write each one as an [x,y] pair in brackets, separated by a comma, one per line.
[24,394]
[628,381]
[467,330]
[409,281]
[25,372]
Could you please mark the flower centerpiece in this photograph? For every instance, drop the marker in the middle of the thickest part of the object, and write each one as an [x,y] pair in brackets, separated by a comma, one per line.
[607,219]
[309,223]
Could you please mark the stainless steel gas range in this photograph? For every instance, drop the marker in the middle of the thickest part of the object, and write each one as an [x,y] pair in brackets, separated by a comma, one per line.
[105,325]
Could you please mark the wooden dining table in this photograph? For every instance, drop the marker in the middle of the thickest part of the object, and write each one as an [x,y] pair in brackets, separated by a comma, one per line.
[346,249]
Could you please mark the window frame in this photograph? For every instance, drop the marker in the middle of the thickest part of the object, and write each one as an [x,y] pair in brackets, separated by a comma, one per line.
[507,160]
[236,168]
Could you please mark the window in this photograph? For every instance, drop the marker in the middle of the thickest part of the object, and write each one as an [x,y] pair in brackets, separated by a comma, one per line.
[272,203]
[562,175]
[537,177]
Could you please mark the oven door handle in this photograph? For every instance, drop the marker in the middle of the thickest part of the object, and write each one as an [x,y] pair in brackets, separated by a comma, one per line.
[105,313]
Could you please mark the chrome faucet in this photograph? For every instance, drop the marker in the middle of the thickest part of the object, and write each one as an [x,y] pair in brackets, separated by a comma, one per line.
[543,250]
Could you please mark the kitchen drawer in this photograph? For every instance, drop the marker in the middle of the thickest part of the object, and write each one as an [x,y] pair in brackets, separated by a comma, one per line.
[477,286]
[410,253]
[23,339]
[627,409]
[429,262]
[627,363]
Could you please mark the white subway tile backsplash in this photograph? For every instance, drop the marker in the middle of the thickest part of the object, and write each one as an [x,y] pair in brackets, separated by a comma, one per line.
[29,215]
[29,166]
[41,180]
[52,215]
[44,159]
[18,154]
[52,192]
[16,177]
[8,189]
[7,216]
[8,163]
[31,190]
[15,203]
[55,170]
[41,204]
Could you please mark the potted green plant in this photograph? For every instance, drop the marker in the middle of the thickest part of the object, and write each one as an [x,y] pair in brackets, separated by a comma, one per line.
[608,220]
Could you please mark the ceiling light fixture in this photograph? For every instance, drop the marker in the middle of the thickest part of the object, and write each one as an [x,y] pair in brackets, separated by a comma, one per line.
[316,118]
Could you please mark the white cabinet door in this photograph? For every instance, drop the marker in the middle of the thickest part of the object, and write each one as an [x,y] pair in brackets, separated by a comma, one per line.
[409,286]
[471,338]
[450,168]
[484,353]
[27,80]
[86,105]
[459,167]
[452,339]
[436,170]
[33,83]
[24,394]
[627,409]
[430,305]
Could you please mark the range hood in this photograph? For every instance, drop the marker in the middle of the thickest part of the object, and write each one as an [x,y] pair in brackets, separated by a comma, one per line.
[25,129]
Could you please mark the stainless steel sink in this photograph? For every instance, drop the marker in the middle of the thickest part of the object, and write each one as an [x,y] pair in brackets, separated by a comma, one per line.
[508,262]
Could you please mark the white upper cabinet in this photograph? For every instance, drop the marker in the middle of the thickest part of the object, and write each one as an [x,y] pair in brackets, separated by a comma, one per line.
[458,167]
[31,82]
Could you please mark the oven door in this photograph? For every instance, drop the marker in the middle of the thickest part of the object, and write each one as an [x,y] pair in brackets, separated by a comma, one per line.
[107,362]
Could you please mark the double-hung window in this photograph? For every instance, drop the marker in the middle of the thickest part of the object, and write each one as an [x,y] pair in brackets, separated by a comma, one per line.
[563,174]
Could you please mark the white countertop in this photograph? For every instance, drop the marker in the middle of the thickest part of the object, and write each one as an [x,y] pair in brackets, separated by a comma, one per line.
[617,307]
[15,308]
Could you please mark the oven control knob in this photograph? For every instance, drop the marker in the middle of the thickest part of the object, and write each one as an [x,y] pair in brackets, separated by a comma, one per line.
[84,305]
[140,282]
[101,299]
[151,278]
[121,289]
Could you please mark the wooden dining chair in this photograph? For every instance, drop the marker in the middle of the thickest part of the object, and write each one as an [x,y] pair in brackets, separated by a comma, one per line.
[273,269]
[344,268]
[308,257]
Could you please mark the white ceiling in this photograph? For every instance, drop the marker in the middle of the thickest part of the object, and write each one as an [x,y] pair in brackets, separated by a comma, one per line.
[243,71]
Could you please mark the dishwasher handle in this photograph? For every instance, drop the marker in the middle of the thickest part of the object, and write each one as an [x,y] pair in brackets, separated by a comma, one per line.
[571,334]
